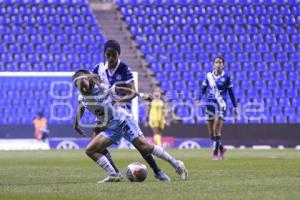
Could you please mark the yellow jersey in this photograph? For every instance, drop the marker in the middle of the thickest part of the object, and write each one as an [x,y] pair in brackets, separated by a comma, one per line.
[156,111]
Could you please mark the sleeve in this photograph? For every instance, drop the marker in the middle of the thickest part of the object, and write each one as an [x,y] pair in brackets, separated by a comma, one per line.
[203,91]
[205,83]
[229,83]
[232,96]
[95,69]
[127,74]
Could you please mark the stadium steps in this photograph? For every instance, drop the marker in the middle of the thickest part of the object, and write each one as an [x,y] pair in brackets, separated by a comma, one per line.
[111,25]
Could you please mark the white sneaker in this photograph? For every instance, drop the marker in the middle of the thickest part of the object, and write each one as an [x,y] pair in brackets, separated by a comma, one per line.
[111,178]
[181,170]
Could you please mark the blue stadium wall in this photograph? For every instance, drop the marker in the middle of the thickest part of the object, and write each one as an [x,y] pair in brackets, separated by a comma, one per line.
[233,134]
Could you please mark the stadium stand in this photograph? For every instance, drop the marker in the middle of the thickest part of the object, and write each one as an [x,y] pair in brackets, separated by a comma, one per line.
[44,35]
[259,41]
[36,35]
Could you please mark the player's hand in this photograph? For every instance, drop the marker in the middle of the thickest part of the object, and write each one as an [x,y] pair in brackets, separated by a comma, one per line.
[146,97]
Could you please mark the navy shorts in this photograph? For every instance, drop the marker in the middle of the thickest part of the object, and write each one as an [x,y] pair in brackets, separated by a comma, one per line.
[213,111]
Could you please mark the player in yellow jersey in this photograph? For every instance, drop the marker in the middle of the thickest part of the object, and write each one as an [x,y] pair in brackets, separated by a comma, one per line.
[156,117]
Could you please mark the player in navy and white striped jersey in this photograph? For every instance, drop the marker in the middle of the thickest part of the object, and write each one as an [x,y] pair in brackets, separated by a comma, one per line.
[215,86]
[114,71]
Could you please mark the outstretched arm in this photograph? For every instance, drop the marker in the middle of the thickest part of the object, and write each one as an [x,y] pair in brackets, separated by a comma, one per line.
[130,94]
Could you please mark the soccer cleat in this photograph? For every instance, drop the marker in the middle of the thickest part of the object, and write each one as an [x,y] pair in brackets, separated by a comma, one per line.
[222,153]
[181,170]
[214,157]
[111,178]
[162,176]
[120,175]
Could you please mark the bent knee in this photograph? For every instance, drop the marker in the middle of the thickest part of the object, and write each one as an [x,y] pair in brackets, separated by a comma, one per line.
[89,151]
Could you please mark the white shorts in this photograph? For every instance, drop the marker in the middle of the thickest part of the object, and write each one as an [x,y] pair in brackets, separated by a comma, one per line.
[129,129]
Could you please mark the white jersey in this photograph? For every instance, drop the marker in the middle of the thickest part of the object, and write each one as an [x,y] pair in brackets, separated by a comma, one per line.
[100,104]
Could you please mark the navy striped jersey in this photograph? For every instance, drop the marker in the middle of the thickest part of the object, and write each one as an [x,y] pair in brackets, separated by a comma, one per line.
[223,82]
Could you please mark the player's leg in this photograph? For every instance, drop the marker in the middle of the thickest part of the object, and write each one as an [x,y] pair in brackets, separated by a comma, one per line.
[98,144]
[211,118]
[154,124]
[130,126]
[219,125]
[143,146]
[105,152]
[133,133]
[157,136]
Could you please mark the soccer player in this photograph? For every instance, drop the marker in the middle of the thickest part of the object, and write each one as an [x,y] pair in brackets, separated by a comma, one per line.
[215,86]
[156,117]
[117,73]
[97,98]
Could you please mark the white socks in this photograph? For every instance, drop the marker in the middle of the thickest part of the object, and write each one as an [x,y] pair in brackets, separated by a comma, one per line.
[105,164]
[161,153]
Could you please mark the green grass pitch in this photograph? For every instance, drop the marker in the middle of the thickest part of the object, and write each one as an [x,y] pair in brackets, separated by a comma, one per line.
[245,174]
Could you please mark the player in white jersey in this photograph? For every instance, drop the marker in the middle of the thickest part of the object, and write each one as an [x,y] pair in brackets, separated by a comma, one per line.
[97,98]
[115,72]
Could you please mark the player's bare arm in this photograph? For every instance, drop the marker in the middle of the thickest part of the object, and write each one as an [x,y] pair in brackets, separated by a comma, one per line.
[79,114]
[130,94]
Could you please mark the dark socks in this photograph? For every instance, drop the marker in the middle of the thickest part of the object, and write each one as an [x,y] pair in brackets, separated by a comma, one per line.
[106,153]
[150,160]
[221,147]
[217,144]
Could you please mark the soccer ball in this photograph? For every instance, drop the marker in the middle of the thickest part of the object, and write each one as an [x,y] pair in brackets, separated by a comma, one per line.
[136,172]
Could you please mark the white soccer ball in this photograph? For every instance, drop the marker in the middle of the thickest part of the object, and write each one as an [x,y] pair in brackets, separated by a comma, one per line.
[136,172]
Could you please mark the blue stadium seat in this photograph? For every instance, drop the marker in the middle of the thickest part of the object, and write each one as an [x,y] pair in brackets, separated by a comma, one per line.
[280,119]
[292,119]
[268,57]
[282,57]
[237,47]
[257,39]
[274,66]
[294,57]
[276,47]
[250,47]
[263,47]
[278,93]
[283,38]
[291,93]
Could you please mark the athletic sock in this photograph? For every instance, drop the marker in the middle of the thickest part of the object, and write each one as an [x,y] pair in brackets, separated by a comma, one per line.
[161,153]
[106,153]
[217,145]
[150,160]
[213,144]
[221,147]
[105,164]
